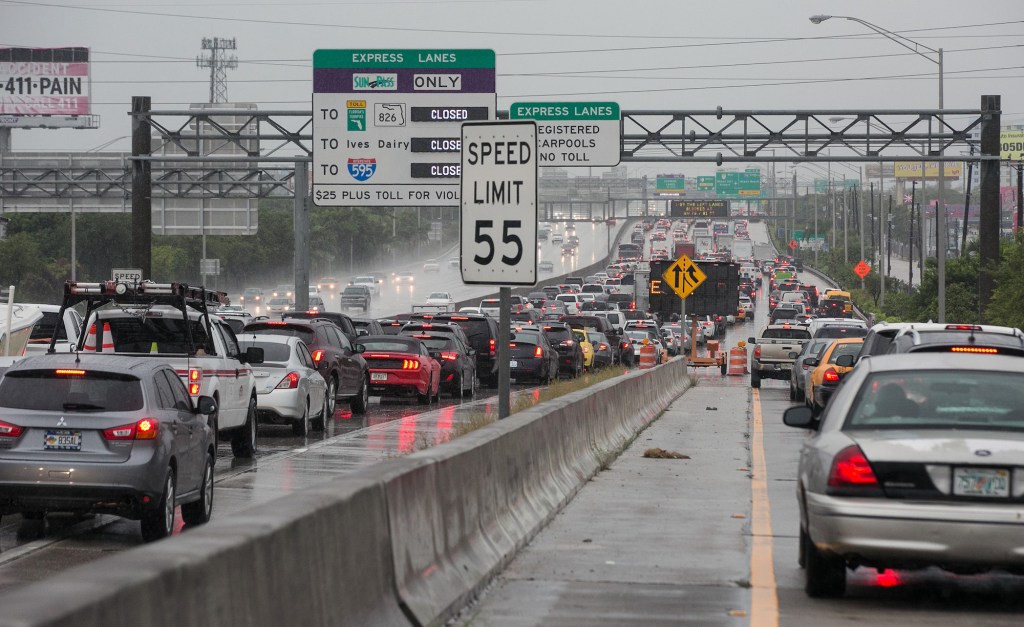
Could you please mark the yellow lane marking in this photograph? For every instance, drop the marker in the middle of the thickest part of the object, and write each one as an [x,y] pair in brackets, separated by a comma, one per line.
[764,602]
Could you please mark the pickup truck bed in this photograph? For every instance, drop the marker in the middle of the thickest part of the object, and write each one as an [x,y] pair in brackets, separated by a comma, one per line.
[773,349]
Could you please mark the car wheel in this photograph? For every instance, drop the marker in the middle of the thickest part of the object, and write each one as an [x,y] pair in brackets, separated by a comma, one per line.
[243,441]
[332,395]
[32,527]
[792,391]
[472,386]
[755,379]
[158,523]
[457,389]
[801,556]
[362,399]
[300,427]
[825,575]
[325,415]
[200,511]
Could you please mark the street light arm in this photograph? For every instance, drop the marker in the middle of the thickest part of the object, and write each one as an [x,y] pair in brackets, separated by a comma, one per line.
[906,42]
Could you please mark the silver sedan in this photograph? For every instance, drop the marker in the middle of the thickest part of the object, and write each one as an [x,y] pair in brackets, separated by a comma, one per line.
[289,388]
[917,461]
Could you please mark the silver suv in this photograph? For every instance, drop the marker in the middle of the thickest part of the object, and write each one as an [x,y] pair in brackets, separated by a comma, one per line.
[104,433]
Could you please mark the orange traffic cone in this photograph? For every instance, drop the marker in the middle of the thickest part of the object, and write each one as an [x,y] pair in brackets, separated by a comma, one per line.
[108,339]
[90,339]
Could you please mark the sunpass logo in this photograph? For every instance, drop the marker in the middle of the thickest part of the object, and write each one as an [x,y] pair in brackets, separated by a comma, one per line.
[375,82]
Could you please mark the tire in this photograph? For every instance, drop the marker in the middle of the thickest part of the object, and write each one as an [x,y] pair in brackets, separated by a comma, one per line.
[243,441]
[472,386]
[755,379]
[792,391]
[199,512]
[325,416]
[362,398]
[158,523]
[724,368]
[332,395]
[424,399]
[824,576]
[801,556]
[458,391]
[301,426]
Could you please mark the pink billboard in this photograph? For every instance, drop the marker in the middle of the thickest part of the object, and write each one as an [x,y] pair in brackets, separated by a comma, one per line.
[44,81]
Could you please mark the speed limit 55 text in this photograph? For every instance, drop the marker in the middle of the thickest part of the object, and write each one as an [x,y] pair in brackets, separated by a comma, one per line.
[498,191]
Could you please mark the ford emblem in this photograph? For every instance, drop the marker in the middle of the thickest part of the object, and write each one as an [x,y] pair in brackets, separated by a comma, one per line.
[982,452]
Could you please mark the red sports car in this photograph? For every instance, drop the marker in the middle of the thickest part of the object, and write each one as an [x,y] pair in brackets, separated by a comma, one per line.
[400,366]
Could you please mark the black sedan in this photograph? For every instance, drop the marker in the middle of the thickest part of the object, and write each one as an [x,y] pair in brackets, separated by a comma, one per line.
[570,353]
[531,356]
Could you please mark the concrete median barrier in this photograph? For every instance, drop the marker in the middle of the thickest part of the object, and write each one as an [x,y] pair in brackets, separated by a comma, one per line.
[317,557]
[461,515]
[407,541]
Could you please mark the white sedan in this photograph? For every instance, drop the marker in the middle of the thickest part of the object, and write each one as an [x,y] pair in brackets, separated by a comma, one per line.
[289,388]
[440,299]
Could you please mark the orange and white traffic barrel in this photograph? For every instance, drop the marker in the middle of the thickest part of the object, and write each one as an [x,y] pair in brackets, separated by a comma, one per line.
[648,355]
[738,359]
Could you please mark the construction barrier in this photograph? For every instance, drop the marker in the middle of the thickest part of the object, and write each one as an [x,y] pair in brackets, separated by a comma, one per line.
[712,348]
[738,360]
[648,356]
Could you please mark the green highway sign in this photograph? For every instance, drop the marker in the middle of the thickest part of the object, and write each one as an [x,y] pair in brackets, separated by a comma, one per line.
[851,183]
[706,183]
[573,133]
[738,184]
[820,186]
[672,185]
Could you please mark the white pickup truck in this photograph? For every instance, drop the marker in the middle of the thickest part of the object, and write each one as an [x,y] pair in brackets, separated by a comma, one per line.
[149,320]
[775,351]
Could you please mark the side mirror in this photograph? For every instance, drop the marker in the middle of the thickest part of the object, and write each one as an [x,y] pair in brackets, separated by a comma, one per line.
[206,406]
[359,348]
[751,340]
[844,361]
[254,355]
[361,332]
[812,362]
[799,416]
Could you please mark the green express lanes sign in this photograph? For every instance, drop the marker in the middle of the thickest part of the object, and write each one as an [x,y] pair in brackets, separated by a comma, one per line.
[387,124]
[573,134]
[670,185]
[738,184]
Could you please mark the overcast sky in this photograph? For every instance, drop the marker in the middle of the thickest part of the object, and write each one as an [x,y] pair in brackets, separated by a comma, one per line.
[644,54]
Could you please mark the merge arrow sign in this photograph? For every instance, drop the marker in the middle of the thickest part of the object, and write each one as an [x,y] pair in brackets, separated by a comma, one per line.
[684,276]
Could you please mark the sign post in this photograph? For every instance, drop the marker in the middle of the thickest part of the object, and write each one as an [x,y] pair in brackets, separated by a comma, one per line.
[573,134]
[386,124]
[498,239]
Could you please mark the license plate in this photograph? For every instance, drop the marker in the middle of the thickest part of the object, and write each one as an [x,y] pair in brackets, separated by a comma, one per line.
[513,364]
[260,374]
[991,482]
[378,376]
[63,440]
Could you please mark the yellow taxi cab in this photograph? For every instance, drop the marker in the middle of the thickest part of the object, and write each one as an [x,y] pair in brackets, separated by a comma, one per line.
[841,295]
[827,373]
[583,339]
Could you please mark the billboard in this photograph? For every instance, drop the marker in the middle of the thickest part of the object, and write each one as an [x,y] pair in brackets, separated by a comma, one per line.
[912,170]
[44,81]
[1011,145]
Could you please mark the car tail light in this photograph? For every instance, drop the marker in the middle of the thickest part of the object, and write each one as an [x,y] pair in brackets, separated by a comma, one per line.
[538,352]
[830,376]
[600,347]
[290,382]
[568,343]
[145,429]
[851,469]
[757,351]
[963,327]
[276,323]
[974,349]
[491,345]
[7,430]
[318,355]
[410,364]
[195,380]
[449,355]
[67,372]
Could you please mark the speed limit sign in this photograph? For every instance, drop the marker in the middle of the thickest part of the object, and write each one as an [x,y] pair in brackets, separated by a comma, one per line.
[499,203]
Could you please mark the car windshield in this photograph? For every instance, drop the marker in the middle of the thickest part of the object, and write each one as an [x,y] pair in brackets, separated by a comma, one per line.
[940,399]
[46,390]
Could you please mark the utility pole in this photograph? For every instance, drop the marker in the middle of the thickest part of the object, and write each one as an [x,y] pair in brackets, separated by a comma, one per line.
[219,63]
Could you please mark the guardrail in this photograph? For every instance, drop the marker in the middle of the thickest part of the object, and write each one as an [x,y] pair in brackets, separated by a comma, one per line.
[406,542]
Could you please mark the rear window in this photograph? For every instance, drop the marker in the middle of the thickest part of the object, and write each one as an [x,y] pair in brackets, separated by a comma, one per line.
[395,345]
[303,333]
[940,399]
[45,390]
[786,334]
[272,351]
[155,334]
[558,334]
[45,327]
[850,349]
[841,331]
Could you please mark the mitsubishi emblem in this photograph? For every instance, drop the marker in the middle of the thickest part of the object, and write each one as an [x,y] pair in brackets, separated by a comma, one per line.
[982,453]
[61,423]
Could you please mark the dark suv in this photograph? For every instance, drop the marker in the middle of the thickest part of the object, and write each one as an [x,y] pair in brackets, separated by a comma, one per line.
[338,362]
[570,353]
[602,325]
[482,332]
[343,321]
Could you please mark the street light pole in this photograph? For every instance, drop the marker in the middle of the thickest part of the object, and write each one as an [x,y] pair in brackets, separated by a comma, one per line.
[940,213]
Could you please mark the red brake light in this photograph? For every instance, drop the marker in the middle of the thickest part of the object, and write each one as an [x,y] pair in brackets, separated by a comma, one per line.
[290,382]
[276,323]
[974,349]
[600,347]
[491,346]
[831,376]
[568,343]
[449,355]
[757,351]
[538,352]
[124,432]
[963,327]
[410,364]
[145,429]
[318,354]
[69,372]
[851,469]
[459,318]
[7,430]
[195,377]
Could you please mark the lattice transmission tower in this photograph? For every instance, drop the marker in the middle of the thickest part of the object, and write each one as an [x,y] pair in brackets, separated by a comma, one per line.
[219,63]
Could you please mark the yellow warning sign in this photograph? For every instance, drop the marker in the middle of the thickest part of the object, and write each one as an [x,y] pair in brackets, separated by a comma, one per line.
[683,276]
